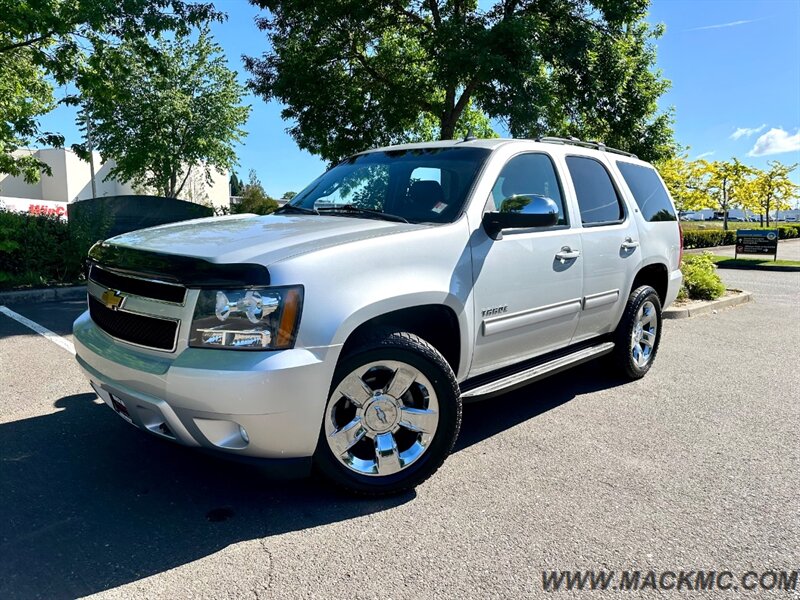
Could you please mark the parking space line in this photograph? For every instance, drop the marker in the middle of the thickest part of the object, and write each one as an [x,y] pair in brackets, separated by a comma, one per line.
[43,331]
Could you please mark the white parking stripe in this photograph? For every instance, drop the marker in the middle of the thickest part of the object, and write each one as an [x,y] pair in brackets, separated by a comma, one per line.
[43,331]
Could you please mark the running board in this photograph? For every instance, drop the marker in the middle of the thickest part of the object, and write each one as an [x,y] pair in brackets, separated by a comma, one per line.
[536,372]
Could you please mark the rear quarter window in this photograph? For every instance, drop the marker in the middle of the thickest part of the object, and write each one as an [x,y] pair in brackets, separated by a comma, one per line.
[648,191]
[598,200]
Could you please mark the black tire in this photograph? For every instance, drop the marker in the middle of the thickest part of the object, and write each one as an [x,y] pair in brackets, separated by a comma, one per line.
[416,352]
[622,357]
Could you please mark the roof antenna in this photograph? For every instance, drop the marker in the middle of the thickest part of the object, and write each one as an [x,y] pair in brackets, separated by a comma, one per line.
[469,137]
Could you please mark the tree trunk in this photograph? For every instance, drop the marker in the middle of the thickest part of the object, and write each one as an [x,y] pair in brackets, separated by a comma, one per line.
[447,122]
[447,127]
[724,206]
[767,207]
[173,181]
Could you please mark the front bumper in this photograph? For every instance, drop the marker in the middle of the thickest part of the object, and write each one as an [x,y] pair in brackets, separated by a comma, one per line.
[251,404]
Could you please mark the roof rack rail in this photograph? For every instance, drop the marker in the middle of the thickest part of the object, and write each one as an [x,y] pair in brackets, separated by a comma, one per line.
[593,144]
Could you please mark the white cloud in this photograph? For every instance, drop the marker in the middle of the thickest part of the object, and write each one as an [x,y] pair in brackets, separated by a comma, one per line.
[776,141]
[721,25]
[747,131]
[704,154]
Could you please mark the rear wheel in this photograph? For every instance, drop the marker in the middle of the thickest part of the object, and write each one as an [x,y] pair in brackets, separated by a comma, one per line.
[392,416]
[638,333]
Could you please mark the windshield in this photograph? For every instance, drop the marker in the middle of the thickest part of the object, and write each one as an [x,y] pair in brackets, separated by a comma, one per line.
[421,185]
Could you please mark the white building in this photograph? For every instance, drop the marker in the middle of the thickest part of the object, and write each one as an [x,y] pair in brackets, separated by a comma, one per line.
[71,181]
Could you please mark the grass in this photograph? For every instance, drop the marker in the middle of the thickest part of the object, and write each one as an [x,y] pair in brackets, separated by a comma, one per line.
[727,261]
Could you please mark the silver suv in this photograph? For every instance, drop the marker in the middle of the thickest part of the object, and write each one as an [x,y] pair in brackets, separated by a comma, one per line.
[345,331]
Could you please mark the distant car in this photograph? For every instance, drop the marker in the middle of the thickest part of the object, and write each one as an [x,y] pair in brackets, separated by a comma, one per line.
[693,217]
[791,219]
[736,219]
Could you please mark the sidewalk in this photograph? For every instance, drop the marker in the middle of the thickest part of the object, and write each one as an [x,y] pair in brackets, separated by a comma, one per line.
[787,250]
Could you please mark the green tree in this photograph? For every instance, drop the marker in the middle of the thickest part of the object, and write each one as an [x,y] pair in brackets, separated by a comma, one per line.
[362,73]
[685,181]
[59,33]
[52,38]
[25,95]
[289,195]
[727,183]
[772,189]
[255,199]
[162,118]
[235,185]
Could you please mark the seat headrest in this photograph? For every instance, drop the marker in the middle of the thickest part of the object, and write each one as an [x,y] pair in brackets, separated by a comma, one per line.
[425,194]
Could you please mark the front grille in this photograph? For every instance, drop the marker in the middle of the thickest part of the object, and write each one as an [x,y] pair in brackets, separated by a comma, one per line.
[140,287]
[136,329]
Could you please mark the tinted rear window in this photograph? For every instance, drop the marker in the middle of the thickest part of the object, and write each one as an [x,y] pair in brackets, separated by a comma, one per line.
[597,196]
[648,191]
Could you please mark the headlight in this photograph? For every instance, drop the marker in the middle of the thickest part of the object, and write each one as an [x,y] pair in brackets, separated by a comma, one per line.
[247,319]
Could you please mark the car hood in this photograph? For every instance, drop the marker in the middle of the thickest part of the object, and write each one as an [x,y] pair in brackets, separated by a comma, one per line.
[252,238]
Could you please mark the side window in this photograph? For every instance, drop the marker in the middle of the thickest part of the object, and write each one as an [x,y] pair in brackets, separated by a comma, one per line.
[529,174]
[648,191]
[597,198]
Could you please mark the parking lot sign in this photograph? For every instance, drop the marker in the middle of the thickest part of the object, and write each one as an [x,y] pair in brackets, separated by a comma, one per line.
[757,241]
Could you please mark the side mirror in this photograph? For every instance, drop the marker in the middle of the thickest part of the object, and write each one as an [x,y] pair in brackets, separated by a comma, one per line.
[521,211]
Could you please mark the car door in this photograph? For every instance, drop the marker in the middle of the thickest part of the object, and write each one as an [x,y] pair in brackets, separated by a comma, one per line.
[527,283]
[610,244]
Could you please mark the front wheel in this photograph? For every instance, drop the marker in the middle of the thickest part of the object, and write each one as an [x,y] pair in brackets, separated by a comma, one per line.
[638,333]
[392,417]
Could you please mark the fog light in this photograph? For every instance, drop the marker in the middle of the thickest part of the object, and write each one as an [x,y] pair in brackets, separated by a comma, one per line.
[243,433]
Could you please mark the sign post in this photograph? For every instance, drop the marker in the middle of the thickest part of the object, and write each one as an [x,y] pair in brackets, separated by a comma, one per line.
[757,241]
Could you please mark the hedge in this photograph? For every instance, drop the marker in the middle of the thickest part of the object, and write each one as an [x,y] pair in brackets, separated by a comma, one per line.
[41,250]
[707,238]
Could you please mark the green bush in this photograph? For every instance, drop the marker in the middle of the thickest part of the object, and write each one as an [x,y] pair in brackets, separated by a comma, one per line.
[41,250]
[700,279]
[788,231]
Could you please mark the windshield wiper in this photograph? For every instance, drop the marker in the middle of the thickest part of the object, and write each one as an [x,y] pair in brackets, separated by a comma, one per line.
[351,208]
[295,208]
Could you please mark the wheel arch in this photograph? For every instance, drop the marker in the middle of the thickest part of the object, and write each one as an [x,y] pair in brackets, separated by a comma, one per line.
[436,323]
[656,275]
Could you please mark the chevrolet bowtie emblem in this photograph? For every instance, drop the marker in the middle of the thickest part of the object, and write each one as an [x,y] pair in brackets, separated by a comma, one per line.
[112,299]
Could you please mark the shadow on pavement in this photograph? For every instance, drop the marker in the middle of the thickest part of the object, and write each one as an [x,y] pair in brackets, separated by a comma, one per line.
[485,419]
[91,503]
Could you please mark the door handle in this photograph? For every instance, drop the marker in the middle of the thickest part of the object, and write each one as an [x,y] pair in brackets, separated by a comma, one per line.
[566,253]
[630,244]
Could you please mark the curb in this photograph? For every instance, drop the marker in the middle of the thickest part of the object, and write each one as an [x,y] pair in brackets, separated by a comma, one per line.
[73,292]
[779,268]
[707,307]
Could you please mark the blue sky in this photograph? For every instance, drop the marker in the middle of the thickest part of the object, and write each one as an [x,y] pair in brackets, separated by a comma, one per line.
[734,67]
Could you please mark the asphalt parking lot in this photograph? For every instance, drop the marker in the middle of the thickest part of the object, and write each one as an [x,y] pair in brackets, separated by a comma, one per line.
[697,466]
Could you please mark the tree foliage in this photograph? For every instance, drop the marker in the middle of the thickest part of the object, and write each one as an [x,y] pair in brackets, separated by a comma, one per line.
[236,185]
[161,118]
[723,185]
[684,180]
[59,33]
[727,183]
[41,38]
[362,73]
[255,199]
[24,96]
[771,189]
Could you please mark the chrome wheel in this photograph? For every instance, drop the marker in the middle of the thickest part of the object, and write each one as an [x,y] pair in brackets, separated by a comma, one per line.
[381,418]
[643,338]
